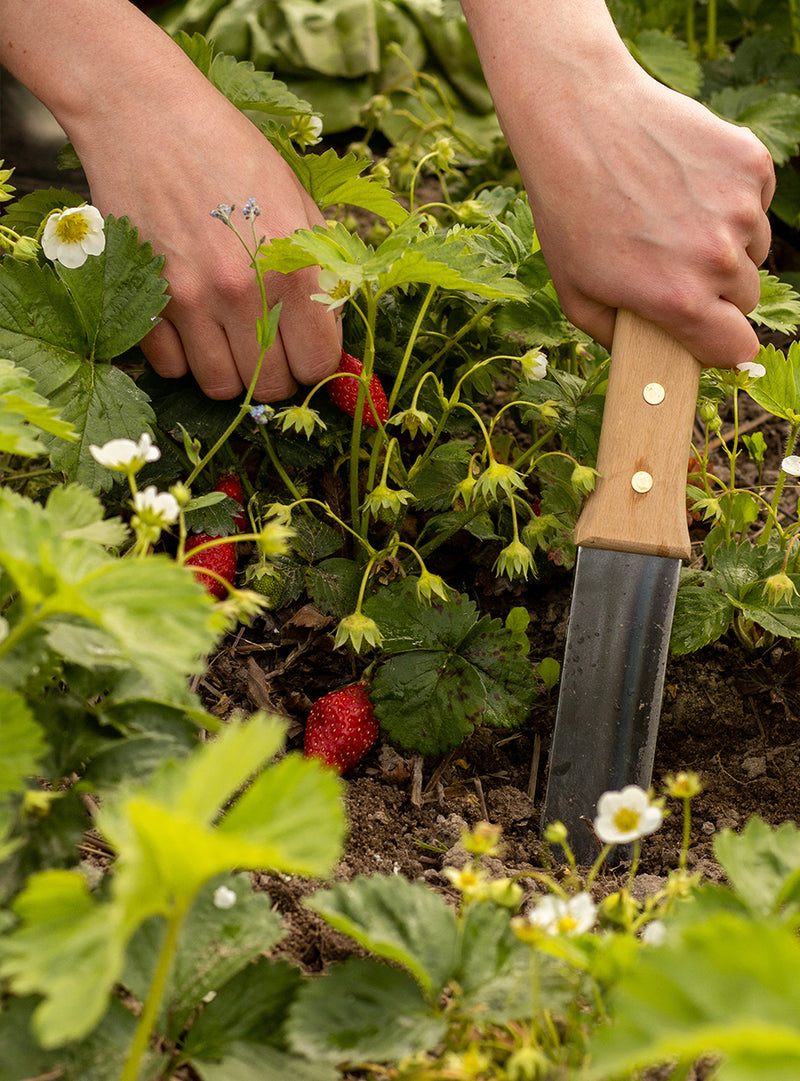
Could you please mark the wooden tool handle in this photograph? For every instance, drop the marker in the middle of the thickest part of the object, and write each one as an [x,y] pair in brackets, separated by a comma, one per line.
[639,504]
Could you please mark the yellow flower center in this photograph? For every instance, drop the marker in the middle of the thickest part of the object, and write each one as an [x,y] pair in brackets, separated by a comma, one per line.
[72,228]
[566,924]
[626,820]
[340,291]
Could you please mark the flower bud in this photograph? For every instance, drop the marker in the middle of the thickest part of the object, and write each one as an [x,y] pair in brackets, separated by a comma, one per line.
[583,479]
[779,588]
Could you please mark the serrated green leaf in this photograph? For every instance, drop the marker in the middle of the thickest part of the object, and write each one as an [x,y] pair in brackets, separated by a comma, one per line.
[67,948]
[251,1006]
[774,118]
[22,409]
[779,306]
[446,671]
[70,948]
[702,615]
[362,1011]
[778,391]
[239,80]
[215,945]
[334,181]
[759,862]
[75,513]
[103,403]
[121,601]
[117,294]
[334,585]
[728,986]
[400,921]
[22,741]
[669,60]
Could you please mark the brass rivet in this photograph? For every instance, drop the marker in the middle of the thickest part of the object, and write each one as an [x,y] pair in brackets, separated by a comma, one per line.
[654,394]
[641,481]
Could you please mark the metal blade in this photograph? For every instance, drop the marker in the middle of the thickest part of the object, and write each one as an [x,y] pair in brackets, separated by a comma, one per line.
[612,682]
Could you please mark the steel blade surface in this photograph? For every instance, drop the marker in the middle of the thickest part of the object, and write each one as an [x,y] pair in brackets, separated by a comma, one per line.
[612,682]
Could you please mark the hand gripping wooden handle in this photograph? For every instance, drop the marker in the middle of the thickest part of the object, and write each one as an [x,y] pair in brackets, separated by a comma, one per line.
[639,504]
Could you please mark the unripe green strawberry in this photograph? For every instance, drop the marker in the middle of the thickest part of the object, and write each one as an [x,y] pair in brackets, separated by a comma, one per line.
[221,559]
[343,392]
[341,727]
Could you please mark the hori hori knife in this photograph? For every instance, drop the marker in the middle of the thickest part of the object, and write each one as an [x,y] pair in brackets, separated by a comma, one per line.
[632,537]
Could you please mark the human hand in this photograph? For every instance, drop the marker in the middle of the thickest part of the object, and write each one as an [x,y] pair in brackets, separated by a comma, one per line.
[178,164]
[646,200]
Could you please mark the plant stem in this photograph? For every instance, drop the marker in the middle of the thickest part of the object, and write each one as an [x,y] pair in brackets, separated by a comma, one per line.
[772,519]
[711,29]
[277,465]
[398,382]
[149,1014]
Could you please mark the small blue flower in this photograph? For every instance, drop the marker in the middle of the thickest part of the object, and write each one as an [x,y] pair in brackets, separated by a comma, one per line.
[251,209]
[261,413]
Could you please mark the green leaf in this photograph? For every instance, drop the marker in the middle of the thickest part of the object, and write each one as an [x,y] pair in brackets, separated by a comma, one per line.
[70,948]
[334,585]
[759,862]
[215,945]
[22,409]
[67,949]
[22,741]
[26,214]
[334,181]
[257,1062]
[117,294]
[702,615]
[669,60]
[446,671]
[775,118]
[728,986]
[57,324]
[400,921]
[362,1011]
[20,1056]
[779,305]
[251,1006]
[779,390]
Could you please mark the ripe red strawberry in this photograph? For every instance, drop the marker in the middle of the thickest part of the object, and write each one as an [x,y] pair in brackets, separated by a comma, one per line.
[341,727]
[221,558]
[230,484]
[344,393]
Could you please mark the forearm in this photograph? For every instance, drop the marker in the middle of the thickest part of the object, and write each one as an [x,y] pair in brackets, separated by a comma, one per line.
[82,58]
[540,57]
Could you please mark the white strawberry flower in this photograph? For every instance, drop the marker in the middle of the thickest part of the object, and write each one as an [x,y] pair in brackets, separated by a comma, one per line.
[564,916]
[626,816]
[156,508]
[125,455]
[791,465]
[534,364]
[70,236]
[752,368]
[335,290]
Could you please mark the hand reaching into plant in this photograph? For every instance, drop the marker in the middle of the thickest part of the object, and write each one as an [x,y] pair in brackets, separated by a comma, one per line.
[161,145]
[642,198]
